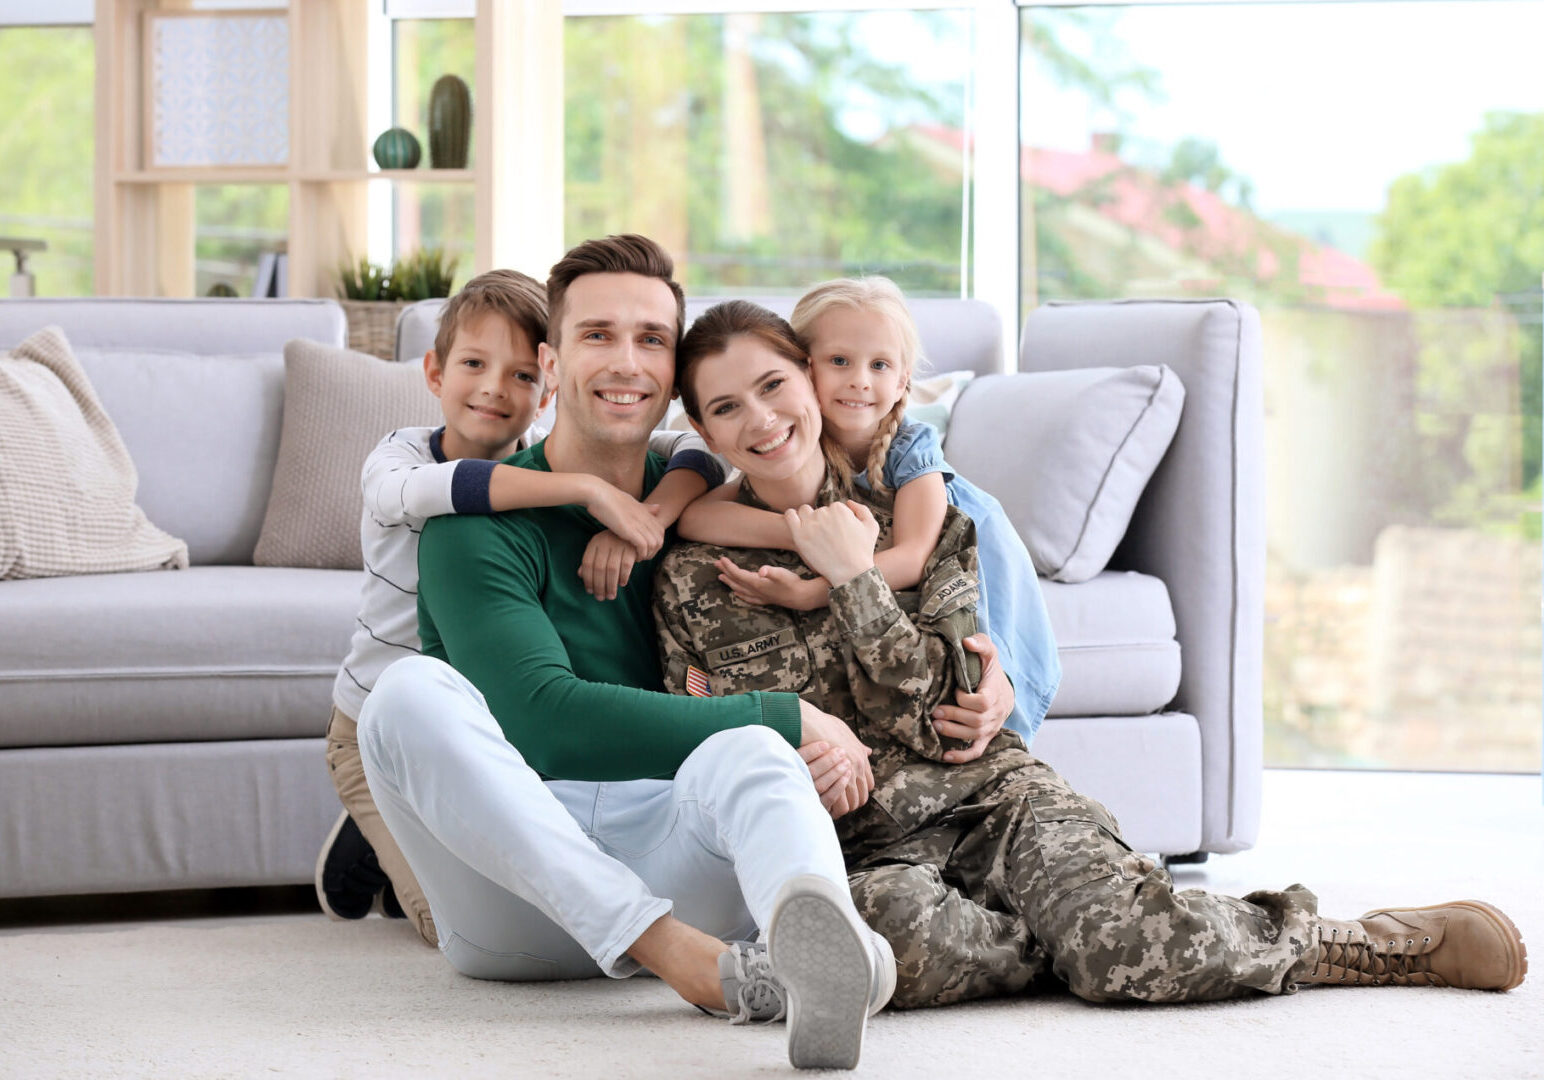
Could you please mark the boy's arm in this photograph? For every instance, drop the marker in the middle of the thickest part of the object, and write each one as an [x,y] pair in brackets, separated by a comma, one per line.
[401,483]
[480,590]
[684,451]
[919,517]
[689,472]
[513,488]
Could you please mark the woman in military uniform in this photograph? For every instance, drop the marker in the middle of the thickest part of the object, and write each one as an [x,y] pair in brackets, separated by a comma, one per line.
[992,875]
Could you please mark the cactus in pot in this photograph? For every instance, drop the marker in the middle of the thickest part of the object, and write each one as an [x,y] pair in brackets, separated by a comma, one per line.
[450,123]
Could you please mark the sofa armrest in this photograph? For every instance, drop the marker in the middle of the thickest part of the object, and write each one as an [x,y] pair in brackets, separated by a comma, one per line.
[1200,525]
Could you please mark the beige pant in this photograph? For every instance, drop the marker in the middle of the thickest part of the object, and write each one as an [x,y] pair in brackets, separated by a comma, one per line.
[348,776]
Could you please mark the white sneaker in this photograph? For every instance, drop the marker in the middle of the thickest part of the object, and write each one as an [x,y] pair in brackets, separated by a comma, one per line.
[833,968]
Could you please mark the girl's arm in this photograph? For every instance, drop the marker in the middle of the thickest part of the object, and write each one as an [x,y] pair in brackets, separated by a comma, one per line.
[919,519]
[717,519]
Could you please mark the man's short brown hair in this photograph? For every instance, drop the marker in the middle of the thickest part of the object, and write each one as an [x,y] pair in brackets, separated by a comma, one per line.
[625,254]
[518,297]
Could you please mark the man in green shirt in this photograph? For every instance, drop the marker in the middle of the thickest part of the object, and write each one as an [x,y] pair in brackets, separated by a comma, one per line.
[567,818]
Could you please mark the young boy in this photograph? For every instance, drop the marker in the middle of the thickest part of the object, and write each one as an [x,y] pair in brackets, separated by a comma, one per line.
[484,370]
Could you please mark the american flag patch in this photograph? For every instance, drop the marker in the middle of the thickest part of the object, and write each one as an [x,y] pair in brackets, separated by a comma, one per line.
[697,682]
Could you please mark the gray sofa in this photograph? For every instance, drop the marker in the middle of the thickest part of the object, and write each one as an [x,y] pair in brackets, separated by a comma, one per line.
[164,730]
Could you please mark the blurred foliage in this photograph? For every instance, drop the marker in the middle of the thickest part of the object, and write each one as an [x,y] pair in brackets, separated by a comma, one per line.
[47,186]
[1471,235]
[421,274]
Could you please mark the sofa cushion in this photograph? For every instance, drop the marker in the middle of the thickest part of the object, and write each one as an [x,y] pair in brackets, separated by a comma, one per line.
[211,652]
[337,405]
[1115,636]
[203,432]
[1091,439]
[67,483]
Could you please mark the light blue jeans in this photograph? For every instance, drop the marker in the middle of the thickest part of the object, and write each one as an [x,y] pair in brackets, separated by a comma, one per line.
[534,879]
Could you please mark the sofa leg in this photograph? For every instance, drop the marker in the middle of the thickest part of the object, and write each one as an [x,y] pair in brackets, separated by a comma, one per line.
[1194,858]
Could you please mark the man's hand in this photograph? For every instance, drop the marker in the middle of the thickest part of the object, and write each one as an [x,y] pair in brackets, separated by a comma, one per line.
[837,541]
[977,717]
[607,564]
[775,586]
[633,522]
[832,773]
[817,726]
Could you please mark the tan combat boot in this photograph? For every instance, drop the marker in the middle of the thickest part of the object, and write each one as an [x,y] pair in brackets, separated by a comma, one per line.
[1466,943]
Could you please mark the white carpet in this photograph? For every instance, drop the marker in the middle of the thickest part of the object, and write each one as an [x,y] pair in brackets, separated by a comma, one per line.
[299,996]
[294,995]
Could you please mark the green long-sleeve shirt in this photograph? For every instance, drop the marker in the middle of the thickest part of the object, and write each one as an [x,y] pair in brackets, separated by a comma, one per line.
[574,682]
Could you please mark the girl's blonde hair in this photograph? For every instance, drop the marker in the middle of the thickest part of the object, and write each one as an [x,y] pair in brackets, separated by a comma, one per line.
[883,296]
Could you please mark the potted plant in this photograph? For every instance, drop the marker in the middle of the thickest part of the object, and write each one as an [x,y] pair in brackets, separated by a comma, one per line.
[372,296]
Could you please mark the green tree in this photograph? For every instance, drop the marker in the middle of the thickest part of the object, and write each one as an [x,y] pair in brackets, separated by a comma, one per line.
[1470,235]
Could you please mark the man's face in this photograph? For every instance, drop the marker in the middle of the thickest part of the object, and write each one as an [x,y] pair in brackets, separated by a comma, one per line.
[615,368]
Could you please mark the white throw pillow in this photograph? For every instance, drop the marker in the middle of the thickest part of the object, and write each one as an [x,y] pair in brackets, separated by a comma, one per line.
[1068,453]
[66,481]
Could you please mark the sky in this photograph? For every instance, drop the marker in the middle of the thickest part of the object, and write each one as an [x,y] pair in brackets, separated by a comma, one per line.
[1322,105]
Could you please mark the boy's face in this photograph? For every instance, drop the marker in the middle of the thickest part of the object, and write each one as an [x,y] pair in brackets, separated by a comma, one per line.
[490,387]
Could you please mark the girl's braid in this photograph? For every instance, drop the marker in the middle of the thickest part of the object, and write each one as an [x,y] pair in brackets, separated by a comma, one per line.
[882,440]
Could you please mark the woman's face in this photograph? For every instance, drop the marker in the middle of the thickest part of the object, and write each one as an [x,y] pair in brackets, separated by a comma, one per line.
[758,410]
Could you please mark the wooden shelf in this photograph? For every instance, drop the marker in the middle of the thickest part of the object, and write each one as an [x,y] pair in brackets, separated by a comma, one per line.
[412,176]
[208,174]
[145,217]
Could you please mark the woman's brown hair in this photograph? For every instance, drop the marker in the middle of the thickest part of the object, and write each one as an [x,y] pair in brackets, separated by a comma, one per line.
[711,334]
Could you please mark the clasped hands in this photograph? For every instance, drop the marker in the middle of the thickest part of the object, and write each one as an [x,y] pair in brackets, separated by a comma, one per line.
[633,533]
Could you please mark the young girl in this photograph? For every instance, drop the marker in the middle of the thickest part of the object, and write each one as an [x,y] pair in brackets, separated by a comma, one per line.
[863,350]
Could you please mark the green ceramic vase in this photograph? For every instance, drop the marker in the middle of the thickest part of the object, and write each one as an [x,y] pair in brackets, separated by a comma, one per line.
[450,123]
[397,148]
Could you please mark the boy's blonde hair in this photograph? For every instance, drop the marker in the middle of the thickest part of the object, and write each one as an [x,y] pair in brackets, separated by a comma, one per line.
[519,298]
[883,296]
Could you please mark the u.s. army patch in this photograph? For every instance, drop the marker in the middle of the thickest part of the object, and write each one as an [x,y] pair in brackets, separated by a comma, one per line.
[749,650]
[953,594]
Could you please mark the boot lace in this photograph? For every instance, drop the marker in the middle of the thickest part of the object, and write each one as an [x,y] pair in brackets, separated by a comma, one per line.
[1347,959]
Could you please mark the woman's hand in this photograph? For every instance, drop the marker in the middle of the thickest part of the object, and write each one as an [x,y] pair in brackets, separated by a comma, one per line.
[837,541]
[633,522]
[607,564]
[774,585]
[977,717]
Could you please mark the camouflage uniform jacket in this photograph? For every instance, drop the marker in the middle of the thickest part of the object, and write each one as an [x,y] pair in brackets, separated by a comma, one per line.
[880,660]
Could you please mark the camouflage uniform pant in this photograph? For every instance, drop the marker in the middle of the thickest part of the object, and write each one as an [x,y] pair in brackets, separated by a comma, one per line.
[1030,884]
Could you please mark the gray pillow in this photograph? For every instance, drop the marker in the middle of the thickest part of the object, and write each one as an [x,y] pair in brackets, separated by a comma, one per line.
[337,406]
[1068,453]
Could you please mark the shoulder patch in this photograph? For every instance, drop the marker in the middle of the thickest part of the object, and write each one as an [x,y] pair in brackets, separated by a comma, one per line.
[956,592]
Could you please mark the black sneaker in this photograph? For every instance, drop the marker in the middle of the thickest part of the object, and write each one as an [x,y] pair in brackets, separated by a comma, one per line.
[391,907]
[348,877]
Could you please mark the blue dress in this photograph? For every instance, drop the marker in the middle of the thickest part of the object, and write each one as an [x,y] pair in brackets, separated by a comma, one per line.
[1012,610]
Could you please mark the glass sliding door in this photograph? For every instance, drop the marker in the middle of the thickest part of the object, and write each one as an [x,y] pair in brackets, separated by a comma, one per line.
[1371,176]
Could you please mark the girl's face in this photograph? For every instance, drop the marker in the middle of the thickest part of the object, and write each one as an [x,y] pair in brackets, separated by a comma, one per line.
[858,369]
[758,411]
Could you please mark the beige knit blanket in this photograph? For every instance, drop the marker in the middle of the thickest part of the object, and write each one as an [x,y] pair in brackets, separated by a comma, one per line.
[66,481]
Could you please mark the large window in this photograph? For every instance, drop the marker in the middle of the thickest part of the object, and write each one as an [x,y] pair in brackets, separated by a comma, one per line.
[770,151]
[1368,174]
[47,141]
[765,151]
